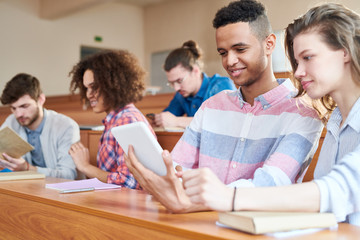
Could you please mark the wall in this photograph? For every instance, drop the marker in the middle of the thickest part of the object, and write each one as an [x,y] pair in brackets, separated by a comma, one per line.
[170,24]
[49,48]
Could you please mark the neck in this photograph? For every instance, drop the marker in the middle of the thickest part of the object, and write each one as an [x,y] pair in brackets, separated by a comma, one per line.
[346,96]
[264,83]
[198,85]
[37,122]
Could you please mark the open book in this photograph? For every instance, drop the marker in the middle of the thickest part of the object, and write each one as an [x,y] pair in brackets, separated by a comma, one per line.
[258,222]
[12,144]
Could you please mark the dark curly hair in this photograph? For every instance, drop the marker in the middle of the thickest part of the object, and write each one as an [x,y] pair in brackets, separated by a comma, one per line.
[118,78]
[188,55]
[20,85]
[250,11]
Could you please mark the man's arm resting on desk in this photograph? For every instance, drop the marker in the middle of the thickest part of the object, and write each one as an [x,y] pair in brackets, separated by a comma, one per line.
[167,119]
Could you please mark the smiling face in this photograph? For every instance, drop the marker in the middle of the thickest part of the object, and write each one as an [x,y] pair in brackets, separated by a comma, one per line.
[96,101]
[320,69]
[243,56]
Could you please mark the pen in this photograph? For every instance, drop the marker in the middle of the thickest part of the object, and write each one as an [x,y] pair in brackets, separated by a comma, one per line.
[77,190]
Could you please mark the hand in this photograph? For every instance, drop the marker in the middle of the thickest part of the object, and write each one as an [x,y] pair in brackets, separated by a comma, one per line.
[165,119]
[203,187]
[80,155]
[166,189]
[14,164]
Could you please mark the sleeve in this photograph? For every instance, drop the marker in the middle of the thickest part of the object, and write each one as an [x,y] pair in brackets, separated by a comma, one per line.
[175,106]
[340,188]
[290,152]
[187,149]
[64,166]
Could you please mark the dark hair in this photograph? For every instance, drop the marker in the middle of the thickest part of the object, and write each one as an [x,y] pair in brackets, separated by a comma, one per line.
[248,11]
[339,28]
[118,78]
[20,85]
[188,55]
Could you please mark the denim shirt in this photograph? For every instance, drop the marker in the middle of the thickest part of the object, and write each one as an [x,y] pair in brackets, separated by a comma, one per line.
[209,87]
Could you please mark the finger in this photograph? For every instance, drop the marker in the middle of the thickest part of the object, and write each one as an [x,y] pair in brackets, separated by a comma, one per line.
[168,163]
[7,164]
[6,157]
[135,167]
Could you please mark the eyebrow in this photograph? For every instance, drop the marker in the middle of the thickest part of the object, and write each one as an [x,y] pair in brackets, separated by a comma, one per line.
[22,105]
[302,52]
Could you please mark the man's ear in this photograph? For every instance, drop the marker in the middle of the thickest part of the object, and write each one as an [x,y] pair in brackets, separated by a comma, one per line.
[196,69]
[41,99]
[270,43]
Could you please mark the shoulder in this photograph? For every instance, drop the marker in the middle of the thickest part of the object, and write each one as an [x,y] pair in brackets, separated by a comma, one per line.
[222,100]
[129,114]
[59,119]
[11,122]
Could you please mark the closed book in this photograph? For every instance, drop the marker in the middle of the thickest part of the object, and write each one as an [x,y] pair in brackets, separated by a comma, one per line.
[259,222]
[12,144]
[20,175]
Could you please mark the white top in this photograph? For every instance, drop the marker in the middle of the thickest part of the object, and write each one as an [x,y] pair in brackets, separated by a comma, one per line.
[337,172]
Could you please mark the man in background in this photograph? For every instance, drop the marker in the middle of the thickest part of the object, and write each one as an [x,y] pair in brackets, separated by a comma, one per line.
[184,71]
[50,133]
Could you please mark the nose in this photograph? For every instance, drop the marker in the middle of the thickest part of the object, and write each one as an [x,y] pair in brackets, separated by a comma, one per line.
[177,86]
[231,59]
[18,112]
[300,72]
[89,93]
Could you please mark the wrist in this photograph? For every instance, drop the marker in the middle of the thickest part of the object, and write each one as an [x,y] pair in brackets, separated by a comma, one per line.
[27,166]
[233,208]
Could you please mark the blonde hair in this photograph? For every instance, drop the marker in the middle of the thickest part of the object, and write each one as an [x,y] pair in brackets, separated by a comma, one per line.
[339,28]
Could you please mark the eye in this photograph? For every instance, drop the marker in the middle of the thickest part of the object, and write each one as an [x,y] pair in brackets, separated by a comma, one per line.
[222,53]
[307,57]
[240,50]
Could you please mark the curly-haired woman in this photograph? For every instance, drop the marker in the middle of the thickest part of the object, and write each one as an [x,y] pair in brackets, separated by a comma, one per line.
[109,81]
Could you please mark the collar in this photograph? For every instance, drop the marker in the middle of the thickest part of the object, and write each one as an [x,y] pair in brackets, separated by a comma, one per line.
[39,128]
[353,119]
[111,116]
[285,90]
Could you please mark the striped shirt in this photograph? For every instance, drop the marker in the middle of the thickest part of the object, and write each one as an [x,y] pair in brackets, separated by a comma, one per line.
[337,171]
[261,145]
[110,156]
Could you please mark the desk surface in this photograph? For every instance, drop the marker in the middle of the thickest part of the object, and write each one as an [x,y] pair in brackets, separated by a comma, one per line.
[30,211]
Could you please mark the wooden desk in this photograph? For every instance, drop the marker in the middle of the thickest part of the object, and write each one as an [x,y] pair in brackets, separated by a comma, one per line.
[30,211]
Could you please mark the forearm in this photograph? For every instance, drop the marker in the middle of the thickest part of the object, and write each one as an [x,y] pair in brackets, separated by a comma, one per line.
[94,172]
[183,122]
[296,197]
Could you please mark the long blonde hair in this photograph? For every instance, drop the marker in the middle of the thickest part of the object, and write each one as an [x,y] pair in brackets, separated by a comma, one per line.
[339,28]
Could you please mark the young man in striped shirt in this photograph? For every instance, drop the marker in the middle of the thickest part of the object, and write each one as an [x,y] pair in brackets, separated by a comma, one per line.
[258,135]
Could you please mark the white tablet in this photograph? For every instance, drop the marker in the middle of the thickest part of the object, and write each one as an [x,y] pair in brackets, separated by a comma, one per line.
[147,149]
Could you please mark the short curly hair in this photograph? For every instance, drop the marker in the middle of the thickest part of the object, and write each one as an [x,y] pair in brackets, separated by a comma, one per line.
[118,78]
[248,11]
